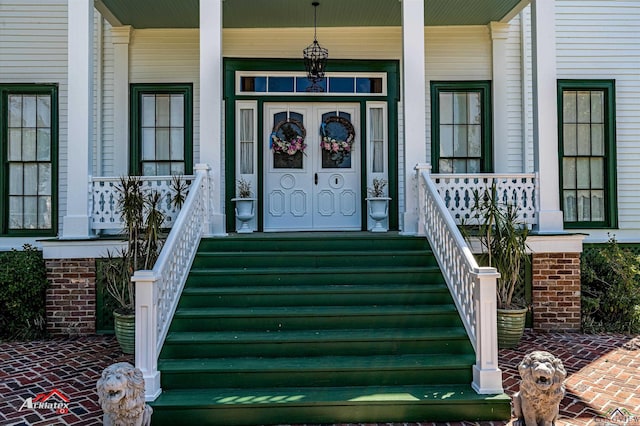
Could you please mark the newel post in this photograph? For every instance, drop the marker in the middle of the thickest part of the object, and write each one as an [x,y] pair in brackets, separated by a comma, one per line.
[147,331]
[420,168]
[487,377]
[207,220]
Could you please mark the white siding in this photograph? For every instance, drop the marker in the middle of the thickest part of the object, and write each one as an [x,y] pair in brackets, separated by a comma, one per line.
[600,39]
[168,56]
[343,43]
[455,54]
[33,49]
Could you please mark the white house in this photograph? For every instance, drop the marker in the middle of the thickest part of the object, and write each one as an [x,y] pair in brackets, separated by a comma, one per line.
[539,96]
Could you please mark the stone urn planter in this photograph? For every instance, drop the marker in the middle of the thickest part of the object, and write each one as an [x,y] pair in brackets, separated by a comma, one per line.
[378,211]
[245,212]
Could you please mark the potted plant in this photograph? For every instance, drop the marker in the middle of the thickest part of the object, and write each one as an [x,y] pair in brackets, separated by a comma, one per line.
[503,238]
[143,220]
[378,204]
[244,206]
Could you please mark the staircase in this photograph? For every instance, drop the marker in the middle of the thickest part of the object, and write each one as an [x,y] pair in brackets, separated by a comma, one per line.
[317,328]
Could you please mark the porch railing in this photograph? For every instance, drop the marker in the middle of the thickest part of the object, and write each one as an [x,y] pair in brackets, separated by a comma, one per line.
[158,290]
[104,200]
[457,192]
[472,287]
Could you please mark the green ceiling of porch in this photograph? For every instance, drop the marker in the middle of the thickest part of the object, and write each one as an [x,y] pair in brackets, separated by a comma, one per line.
[299,13]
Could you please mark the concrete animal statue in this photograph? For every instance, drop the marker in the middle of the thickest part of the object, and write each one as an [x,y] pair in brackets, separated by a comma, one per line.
[121,396]
[542,388]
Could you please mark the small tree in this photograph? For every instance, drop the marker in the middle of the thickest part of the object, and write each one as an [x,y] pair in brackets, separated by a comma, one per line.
[503,238]
[143,220]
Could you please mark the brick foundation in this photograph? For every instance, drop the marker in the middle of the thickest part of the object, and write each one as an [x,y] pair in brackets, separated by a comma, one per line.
[556,291]
[71,297]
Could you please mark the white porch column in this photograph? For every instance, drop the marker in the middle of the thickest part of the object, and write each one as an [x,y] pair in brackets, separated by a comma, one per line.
[211,116]
[121,36]
[76,224]
[499,35]
[414,106]
[545,114]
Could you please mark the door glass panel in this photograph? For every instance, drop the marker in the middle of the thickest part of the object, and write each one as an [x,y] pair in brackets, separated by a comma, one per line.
[287,141]
[338,136]
[377,137]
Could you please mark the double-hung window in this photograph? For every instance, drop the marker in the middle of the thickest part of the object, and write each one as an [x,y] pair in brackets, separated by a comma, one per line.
[161,129]
[461,127]
[586,122]
[28,159]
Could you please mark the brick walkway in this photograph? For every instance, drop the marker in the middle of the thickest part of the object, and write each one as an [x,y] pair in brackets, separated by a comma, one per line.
[602,375]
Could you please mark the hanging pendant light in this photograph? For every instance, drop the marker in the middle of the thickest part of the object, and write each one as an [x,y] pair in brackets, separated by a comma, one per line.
[315,57]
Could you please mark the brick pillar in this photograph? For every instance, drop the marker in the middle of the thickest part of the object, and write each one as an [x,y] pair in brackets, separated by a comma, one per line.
[556,291]
[71,297]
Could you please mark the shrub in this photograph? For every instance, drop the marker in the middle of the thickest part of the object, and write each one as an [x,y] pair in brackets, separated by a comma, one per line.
[611,290]
[23,283]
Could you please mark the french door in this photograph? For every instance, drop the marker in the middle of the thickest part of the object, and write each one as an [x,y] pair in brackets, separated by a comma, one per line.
[312,167]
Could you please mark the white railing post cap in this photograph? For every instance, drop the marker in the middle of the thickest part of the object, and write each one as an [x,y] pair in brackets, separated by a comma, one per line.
[422,166]
[144,275]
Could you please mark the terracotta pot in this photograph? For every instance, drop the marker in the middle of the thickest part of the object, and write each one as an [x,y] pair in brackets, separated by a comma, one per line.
[125,327]
[511,324]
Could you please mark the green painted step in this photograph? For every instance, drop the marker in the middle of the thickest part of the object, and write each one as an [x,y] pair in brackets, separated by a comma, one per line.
[375,404]
[316,371]
[315,295]
[329,327]
[316,241]
[315,317]
[373,274]
[314,259]
[316,342]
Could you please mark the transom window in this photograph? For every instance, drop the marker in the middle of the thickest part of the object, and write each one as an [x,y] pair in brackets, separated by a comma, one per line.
[587,151]
[460,127]
[338,84]
[161,129]
[28,141]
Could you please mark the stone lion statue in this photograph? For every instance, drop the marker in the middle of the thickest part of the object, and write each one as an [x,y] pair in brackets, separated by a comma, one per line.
[541,390]
[121,396]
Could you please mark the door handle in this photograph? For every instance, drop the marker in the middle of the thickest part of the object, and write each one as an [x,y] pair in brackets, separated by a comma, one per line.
[316,178]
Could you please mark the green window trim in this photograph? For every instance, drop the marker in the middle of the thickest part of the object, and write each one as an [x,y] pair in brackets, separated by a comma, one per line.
[483,88]
[608,156]
[51,198]
[135,125]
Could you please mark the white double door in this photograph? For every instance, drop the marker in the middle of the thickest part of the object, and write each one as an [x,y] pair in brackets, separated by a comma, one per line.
[313,192]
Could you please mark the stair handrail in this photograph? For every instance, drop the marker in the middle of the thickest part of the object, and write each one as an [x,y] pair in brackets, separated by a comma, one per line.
[158,290]
[472,287]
